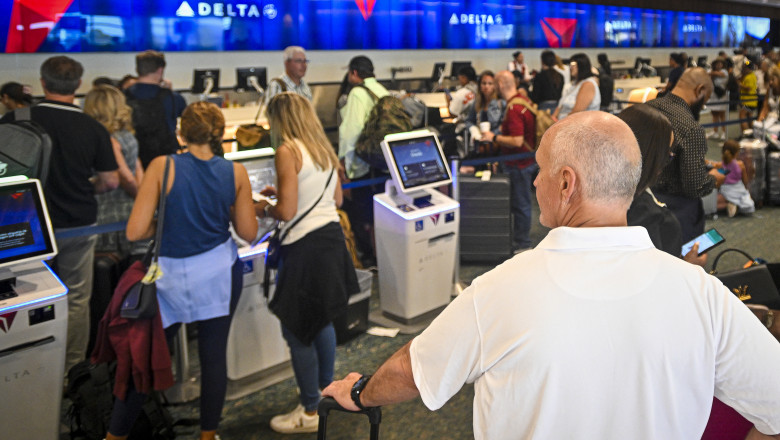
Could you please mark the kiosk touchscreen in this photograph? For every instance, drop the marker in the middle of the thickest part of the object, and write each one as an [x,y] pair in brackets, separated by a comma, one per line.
[416,163]
[415,227]
[259,165]
[33,315]
[25,229]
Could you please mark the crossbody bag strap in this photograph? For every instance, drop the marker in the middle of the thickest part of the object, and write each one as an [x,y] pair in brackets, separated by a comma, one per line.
[161,209]
[287,230]
[521,101]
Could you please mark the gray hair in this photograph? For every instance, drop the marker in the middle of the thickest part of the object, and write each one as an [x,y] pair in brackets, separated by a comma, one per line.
[605,169]
[289,51]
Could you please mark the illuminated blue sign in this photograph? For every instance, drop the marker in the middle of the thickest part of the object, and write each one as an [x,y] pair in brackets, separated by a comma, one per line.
[219,25]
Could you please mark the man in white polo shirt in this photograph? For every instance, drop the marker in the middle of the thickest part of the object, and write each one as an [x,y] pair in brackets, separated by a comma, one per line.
[594,334]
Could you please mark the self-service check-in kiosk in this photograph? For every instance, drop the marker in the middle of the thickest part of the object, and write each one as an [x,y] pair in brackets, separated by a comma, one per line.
[33,316]
[415,228]
[257,355]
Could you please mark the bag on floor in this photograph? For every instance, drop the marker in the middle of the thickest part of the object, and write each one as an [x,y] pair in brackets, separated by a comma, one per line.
[90,392]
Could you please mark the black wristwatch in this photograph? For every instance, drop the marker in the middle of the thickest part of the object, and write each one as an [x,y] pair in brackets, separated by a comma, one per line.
[357,389]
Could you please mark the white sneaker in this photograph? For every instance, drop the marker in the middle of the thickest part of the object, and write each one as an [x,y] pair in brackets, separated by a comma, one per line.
[722,136]
[710,134]
[732,209]
[295,421]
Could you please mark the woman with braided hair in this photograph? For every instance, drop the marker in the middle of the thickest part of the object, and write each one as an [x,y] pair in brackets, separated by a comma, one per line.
[202,275]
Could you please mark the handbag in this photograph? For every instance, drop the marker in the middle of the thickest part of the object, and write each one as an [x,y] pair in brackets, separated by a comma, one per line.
[141,300]
[752,285]
[272,253]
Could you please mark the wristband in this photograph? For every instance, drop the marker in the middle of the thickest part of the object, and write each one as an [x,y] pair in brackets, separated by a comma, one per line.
[357,389]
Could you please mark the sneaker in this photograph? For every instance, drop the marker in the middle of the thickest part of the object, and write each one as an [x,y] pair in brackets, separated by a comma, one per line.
[710,134]
[732,209]
[722,136]
[295,421]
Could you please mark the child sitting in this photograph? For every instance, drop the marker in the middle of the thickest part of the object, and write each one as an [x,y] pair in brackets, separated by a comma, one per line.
[734,189]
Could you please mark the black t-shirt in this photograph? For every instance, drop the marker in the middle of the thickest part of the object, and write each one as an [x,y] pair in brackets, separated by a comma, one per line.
[80,147]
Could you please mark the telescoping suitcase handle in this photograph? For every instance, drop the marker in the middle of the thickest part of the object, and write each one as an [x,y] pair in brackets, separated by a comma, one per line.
[328,403]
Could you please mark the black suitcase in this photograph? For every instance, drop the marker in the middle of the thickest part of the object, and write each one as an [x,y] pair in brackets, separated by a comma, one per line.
[773,177]
[329,404]
[108,267]
[485,219]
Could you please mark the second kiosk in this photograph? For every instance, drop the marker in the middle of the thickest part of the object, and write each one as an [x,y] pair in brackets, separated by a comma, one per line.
[416,229]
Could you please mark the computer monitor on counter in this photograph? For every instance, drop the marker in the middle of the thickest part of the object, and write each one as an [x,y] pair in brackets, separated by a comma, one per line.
[205,81]
[251,78]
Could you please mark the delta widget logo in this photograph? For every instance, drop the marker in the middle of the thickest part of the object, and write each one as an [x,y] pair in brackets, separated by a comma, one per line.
[366,7]
[559,31]
[6,320]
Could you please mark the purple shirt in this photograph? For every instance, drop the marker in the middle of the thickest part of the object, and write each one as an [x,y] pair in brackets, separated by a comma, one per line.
[735,172]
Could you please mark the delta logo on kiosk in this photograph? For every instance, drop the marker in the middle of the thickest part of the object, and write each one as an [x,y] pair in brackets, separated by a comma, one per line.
[559,31]
[6,320]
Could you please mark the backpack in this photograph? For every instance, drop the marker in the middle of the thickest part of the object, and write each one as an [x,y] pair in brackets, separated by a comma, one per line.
[90,390]
[151,126]
[26,148]
[388,116]
[542,118]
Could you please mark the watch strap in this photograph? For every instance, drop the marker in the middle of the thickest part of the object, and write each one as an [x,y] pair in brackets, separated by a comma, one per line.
[357,390]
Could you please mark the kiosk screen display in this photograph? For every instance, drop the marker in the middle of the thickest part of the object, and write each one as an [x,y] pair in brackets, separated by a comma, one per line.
[25,231]
[259,165]
[419,161]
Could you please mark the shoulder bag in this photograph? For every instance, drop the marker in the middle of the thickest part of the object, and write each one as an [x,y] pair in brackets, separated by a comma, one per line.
[753,284]
[275,242]
[141,300]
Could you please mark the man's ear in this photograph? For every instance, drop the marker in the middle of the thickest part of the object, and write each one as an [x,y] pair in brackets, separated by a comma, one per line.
[568,183]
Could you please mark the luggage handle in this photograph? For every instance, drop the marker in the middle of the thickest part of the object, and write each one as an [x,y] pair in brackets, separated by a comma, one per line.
[715,263]
[327,404]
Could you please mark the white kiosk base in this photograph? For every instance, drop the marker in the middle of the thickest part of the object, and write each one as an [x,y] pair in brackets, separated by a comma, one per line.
[257,354]
[415,247]
[33,327]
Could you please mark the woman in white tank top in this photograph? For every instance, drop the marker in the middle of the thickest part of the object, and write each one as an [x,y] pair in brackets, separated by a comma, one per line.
[584,93]
[316,275]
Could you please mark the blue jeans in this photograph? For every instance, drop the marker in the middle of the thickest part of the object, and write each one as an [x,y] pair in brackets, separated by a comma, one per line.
[312,364]
[520,180]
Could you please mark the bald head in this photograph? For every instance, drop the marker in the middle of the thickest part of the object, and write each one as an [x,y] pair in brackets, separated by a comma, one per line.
[506,84]
[602,151]
[694,85]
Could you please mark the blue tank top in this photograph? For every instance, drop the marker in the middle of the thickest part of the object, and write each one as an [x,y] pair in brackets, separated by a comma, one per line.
[197,212]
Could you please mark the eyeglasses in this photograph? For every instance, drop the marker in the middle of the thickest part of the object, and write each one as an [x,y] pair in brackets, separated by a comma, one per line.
[299,61]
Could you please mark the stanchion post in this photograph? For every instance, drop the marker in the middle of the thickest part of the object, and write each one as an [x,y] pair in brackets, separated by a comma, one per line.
[186,388]
[454,170]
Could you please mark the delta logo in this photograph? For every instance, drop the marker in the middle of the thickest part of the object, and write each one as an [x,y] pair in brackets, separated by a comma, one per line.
[222,9]
[366,8]
[559,31]
[6,321]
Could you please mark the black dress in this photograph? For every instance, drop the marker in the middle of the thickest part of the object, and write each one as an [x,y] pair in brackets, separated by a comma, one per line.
[547,86]
[661,224]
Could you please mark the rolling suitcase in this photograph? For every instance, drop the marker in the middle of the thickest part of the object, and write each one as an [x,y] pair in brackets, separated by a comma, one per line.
[328,404]
[485,219]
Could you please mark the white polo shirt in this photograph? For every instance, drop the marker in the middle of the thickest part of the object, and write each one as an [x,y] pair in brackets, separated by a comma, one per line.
[595,334]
